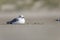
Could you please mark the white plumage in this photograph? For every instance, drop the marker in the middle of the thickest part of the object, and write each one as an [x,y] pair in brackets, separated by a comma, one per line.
[21,19]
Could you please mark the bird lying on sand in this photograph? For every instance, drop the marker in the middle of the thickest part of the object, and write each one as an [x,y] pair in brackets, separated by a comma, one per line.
[18,20]
[58,19]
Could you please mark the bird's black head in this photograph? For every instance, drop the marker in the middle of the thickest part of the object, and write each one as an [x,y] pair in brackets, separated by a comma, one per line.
[21,16]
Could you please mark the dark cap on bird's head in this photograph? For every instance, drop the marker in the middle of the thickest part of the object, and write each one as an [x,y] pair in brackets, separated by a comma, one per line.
[21,16]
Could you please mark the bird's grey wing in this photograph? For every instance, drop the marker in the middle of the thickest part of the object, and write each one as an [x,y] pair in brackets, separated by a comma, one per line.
[14,20]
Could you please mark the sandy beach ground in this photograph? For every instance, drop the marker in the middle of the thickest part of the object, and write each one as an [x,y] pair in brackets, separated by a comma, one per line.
[38,26]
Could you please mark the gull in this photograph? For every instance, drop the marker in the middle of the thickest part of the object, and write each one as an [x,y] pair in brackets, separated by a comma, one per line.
[18,20]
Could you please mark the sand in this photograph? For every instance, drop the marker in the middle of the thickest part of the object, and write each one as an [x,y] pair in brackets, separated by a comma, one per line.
[36,27]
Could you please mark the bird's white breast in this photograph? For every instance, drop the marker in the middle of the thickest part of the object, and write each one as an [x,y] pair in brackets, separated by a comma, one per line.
[21,20]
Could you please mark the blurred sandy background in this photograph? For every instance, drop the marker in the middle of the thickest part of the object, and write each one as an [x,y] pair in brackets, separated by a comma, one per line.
[40,18]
